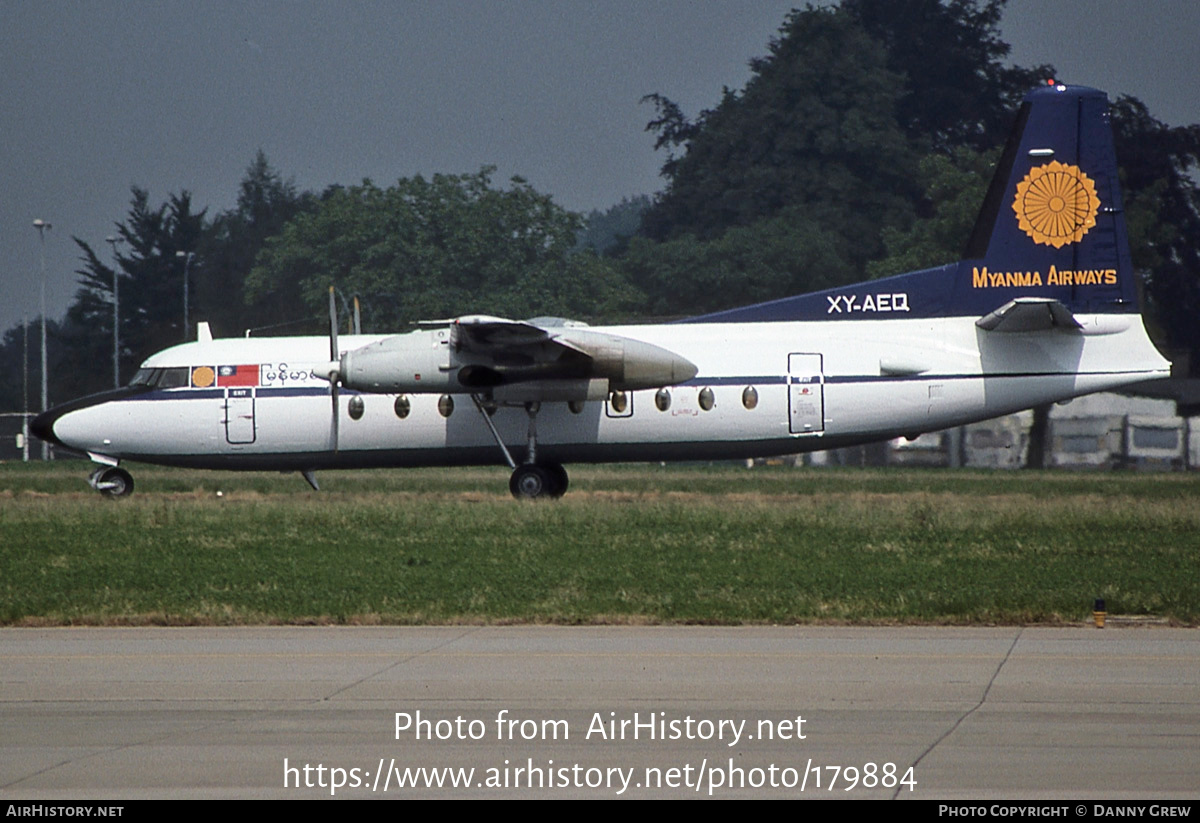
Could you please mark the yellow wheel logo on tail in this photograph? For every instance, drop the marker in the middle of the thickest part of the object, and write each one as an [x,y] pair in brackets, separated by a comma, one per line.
[1056,204]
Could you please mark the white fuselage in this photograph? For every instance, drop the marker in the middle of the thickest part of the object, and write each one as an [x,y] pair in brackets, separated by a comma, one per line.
[817,385]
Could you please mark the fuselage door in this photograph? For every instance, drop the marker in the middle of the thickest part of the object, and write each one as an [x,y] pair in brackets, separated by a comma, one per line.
[806,394]
[239,415]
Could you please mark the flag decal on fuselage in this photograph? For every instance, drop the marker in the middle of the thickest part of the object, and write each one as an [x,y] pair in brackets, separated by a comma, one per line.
[237,375]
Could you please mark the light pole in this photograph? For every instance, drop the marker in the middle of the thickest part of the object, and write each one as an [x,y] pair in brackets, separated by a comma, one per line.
[186,256]
[113,240]
[25,389]
[42,226]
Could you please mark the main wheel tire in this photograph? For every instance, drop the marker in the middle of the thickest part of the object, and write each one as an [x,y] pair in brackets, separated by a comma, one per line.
[530,482]
[115,483]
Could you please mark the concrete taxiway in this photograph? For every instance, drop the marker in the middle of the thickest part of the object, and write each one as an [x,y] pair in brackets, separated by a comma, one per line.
[1013,713]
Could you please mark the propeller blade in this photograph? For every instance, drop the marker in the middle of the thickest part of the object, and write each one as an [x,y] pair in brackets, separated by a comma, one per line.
[333,341]
[357,317]
[334,374]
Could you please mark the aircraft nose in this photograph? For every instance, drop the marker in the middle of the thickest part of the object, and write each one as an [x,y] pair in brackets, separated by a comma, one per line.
[42,426]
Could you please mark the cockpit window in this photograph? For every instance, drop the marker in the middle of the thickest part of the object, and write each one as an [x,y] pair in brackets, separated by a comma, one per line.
[172,378]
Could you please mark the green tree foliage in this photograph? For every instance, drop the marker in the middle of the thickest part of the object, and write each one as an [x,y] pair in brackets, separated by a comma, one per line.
[440,247]
[958,92]
[955,186]
[746,264]
[1162,207]
[265,204]
[151,294]
[829,134]
[815,127]
[151,285]
[608,231]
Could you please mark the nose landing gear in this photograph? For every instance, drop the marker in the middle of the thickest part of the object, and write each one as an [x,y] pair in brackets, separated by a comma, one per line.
[111,481]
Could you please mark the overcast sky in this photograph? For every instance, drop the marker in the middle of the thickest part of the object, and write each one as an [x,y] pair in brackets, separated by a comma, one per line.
[99,96]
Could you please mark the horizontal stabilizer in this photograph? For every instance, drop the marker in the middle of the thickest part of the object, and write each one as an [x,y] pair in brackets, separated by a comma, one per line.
[1029,314]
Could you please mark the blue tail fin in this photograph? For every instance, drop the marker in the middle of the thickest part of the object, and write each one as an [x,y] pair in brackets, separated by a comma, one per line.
[1052,226]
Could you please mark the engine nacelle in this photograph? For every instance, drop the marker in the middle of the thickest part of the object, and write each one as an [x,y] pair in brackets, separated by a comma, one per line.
[571,364]
[630,364]
[404,364]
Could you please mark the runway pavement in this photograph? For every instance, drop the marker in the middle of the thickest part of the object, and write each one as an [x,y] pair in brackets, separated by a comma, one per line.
[291,712]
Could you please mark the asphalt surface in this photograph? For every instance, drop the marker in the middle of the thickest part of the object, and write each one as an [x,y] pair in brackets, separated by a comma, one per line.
[926,713]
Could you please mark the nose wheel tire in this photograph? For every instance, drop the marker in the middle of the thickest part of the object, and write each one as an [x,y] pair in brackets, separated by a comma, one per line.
[533,481]
[114,483]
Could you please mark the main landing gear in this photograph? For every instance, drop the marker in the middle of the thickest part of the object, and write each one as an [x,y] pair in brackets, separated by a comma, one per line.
[111,481]
[530,480]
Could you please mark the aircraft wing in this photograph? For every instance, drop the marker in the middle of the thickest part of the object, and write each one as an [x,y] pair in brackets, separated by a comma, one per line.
[486,353]
[486,335]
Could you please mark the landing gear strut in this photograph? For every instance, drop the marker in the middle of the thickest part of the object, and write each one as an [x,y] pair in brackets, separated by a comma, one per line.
[111,481]
[530,480]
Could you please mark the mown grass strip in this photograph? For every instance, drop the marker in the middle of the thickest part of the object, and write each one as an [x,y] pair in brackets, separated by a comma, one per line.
[628,544]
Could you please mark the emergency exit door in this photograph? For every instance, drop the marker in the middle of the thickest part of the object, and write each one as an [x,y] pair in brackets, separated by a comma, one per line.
[806,394]
[239,416]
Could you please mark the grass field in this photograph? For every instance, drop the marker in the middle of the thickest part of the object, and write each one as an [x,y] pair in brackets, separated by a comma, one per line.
[628,544]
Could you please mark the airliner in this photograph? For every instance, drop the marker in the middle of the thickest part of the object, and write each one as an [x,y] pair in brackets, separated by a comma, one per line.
[1043,307]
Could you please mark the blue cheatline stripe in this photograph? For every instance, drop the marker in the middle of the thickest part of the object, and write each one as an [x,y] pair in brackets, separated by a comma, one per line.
[737,380]
[889,378]
[697,382]
[184,393]
[300,391]
[892,378]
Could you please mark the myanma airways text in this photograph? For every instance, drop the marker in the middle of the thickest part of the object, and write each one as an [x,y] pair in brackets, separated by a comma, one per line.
[656,726]
[984,279]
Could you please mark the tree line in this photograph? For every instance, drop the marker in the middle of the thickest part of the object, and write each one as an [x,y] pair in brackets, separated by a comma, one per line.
[860,147]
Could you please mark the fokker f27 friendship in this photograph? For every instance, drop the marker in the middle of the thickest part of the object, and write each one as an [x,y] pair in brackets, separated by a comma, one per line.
[1043,308]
